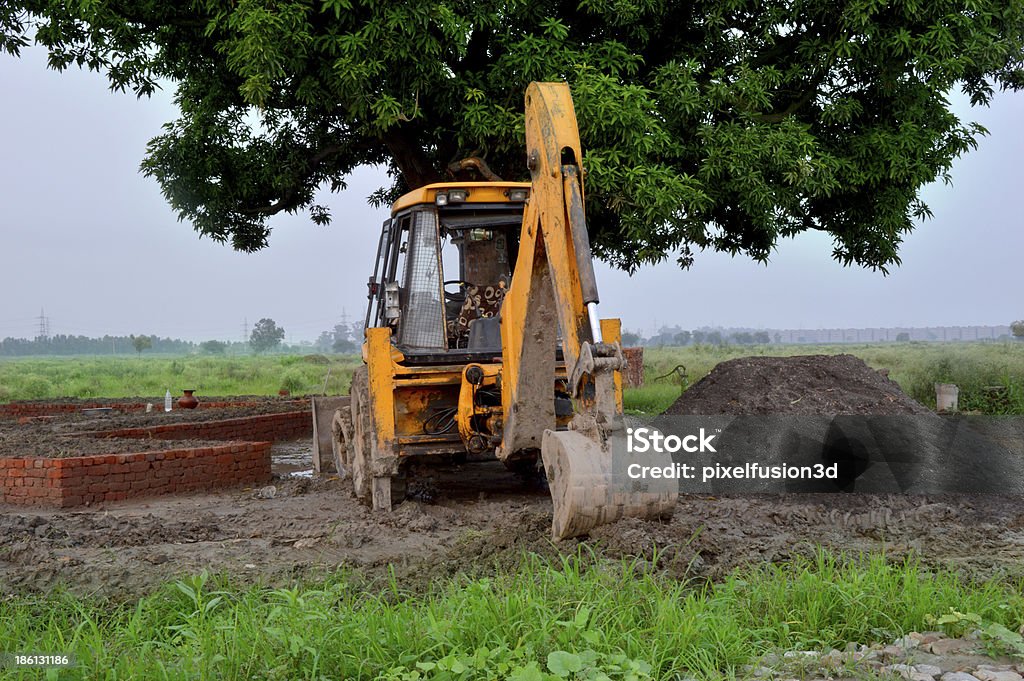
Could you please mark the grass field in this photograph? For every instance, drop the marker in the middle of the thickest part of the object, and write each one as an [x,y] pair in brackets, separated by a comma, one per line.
[543,621]
[915,366]
[35,378]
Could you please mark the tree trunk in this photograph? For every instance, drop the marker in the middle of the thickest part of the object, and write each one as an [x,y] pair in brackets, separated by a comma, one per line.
[415,166]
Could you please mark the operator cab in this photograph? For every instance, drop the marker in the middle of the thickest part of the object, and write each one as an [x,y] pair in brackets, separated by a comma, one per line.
[444,263]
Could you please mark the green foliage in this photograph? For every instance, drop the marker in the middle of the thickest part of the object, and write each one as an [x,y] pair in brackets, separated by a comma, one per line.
[997,638]
[213,347]
[708,124]
[34,387]
[1017,329]
[141,343]
[295,381]
[545,620]
[266,335]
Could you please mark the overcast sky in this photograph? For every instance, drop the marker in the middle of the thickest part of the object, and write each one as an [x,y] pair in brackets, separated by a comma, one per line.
[90,241]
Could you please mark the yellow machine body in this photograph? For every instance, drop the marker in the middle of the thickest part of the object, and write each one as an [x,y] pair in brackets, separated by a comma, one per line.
[512,365]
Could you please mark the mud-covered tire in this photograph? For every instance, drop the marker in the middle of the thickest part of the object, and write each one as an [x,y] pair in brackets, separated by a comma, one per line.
[359,453]
[341,436]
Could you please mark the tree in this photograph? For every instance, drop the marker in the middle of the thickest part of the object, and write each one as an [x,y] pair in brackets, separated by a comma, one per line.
[630,339]
[213,347]
[903,337]
[141,343]
[743,338]
[340,339]
[1017,329]
[723,124]
[682,338]
[266,335]
[699,337]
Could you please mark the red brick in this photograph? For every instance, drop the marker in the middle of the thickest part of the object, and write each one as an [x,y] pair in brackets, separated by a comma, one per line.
[139,466]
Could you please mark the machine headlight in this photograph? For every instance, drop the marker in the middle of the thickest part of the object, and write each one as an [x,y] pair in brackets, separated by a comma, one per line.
[457,195]
[517,194]
[441,199]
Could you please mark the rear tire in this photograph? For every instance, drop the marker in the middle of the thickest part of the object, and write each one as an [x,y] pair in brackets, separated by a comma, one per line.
[341,437]
[359,453]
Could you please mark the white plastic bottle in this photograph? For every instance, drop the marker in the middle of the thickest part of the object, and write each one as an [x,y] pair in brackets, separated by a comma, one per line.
[167,401]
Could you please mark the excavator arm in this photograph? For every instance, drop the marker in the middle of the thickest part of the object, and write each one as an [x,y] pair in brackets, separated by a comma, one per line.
[554,290]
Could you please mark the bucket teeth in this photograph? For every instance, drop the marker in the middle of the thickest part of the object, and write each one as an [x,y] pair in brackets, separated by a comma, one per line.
[590,487]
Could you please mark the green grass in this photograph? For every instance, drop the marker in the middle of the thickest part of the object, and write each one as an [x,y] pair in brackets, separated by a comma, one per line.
[916,367]
[619,618]
[27,379]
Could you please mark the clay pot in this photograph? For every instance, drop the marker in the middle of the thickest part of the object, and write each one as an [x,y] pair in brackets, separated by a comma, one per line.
[189,401]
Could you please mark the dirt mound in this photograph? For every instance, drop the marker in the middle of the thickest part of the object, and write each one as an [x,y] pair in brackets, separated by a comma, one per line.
[807,385]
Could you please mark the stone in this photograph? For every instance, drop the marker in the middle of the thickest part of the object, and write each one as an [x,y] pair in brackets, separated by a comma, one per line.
[800,654]
[904,670]
[925,637]
[946,646]
[892,653]
[835,659]
[989,675]
[959,676]
[907,642]
[929,669]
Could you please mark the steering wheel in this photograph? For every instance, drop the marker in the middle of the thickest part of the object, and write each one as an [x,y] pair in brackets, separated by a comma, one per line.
[456,296]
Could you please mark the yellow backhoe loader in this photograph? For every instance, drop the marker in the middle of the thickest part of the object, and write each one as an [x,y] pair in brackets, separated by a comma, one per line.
[483,341]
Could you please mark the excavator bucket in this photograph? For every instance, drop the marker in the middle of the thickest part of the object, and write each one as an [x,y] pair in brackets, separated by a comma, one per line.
[590,484]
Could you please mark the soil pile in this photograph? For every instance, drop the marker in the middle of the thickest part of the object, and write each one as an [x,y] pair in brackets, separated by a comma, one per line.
[805,385]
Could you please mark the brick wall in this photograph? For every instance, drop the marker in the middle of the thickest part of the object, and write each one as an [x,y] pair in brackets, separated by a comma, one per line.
[82,480]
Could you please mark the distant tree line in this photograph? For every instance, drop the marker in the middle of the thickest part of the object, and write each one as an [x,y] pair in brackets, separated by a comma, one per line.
[266,337]
[83,345]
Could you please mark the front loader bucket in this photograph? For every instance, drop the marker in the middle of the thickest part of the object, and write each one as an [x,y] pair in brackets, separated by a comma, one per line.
[589,488]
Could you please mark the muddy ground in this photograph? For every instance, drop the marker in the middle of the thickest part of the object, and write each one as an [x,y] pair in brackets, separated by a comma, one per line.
[471,519]
[476,517]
